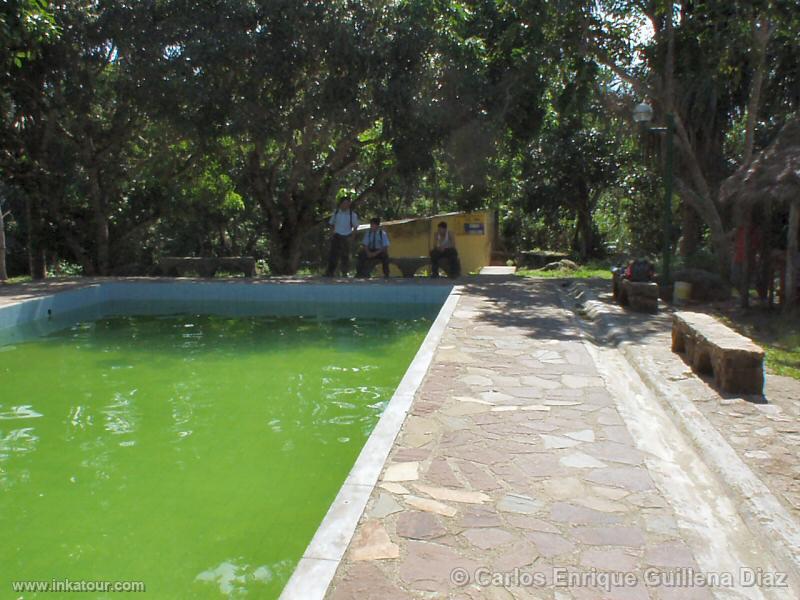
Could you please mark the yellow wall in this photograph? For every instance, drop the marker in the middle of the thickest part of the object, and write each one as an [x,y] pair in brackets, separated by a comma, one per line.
[415,237]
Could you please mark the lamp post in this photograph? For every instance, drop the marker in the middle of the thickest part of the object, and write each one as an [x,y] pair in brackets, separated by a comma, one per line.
[643,113]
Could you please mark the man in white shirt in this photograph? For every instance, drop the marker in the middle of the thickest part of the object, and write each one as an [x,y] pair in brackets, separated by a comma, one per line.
[374,247]
[343,223]
[444,249]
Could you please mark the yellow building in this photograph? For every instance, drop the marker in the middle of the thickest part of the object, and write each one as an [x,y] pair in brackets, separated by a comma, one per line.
[473,234]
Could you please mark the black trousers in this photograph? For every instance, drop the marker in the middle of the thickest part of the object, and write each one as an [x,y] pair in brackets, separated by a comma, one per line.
[449,256]
[365,264]
[339,255]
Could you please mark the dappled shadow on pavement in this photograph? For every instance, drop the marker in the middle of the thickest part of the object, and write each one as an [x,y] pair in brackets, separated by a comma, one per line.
[530,306]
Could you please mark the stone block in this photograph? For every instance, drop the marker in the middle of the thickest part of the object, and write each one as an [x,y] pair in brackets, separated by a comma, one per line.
[639,295]
[736,363]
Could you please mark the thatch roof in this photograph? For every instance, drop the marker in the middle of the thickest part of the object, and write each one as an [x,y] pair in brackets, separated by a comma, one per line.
[775,172]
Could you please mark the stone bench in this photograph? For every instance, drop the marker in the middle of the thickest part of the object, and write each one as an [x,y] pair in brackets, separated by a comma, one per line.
[713,348]
[639,295]
[409,265]
[176,266]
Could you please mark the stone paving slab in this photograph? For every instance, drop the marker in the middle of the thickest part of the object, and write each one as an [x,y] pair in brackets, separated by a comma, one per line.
[519,473]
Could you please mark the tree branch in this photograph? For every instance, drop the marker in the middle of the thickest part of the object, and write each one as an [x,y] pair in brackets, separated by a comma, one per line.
[638,85]
[761,34]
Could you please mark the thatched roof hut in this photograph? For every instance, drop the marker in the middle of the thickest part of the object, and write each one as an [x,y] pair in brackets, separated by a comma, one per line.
[774,175]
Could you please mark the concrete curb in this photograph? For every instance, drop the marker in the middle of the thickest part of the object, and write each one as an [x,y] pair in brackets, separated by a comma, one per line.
[763,513]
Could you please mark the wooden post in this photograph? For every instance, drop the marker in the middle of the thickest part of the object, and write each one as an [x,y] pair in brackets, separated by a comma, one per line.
[766,270]
[744,284]
[791,258]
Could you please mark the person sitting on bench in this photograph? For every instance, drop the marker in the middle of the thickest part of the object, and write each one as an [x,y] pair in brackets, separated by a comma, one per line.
[444,248]
[374,247]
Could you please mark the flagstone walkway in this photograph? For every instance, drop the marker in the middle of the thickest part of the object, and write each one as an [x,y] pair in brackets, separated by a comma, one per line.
[515,476]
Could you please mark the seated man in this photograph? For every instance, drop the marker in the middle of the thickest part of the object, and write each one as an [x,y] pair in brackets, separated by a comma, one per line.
[374,247]
[444,248]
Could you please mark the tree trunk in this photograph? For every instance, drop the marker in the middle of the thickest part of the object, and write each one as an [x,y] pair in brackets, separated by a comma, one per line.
[765,269]
[285,252]
[103,244]
[690,232]
[744,283]
[707,211]
[3,272]
[583,233]
[36,256]
[792,258]
[39,265]
[761,35]
[102,238]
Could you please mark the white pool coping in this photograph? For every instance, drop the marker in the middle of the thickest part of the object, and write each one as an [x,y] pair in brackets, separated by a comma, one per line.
[315,571]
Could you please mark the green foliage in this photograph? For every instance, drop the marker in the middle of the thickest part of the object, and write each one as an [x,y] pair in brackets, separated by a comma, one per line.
[630,214]
[25,25]
[63,268]
[137,129]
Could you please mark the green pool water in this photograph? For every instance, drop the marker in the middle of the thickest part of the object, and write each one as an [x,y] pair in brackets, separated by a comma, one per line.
[197,454]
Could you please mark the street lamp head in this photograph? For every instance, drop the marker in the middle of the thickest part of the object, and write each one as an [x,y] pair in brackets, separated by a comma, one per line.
[643,113]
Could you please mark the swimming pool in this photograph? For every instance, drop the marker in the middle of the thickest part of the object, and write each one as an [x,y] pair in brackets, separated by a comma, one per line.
[197,446]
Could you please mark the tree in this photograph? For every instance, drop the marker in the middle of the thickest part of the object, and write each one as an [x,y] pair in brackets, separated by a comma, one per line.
[24,27]
[76,117]
[3,215]
[708,64]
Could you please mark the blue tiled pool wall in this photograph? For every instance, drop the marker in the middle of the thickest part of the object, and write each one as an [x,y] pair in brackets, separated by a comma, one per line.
[42,315]
[45,314]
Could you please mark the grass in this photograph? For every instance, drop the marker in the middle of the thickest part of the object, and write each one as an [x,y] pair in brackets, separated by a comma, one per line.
[777,334]
[583,272]
[19,279]
[785,359]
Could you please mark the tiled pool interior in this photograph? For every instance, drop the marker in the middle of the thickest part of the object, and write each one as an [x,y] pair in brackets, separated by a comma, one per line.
[48,313]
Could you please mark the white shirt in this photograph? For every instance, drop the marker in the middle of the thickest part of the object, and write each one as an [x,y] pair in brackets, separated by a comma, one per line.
[443,243]
[375,240]
[344,221]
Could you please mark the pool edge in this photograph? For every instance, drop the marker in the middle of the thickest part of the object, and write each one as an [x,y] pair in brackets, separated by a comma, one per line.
[316,569]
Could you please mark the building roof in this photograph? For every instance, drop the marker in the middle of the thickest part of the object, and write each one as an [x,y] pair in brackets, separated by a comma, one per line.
[775,172]
[412,219]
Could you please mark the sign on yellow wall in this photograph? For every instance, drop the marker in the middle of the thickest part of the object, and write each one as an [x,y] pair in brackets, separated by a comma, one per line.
[471,224]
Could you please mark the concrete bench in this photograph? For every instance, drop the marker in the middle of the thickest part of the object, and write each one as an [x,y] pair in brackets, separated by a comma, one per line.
[409,265]
[713,348]
[639,295]
[176,266]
